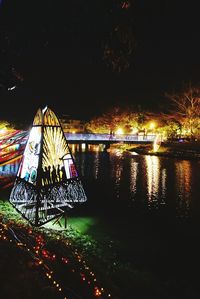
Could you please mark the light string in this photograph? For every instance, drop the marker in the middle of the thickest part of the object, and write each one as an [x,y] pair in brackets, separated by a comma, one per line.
[35,244]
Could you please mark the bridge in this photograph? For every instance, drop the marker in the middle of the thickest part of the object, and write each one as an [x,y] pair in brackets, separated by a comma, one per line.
[12,145]
[108,139]
[20,137]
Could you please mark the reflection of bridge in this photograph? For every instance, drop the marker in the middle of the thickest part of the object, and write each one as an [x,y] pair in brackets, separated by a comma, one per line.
[108,139]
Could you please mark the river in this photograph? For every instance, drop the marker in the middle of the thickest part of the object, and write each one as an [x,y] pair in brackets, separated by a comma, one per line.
[115,179]
[147,182]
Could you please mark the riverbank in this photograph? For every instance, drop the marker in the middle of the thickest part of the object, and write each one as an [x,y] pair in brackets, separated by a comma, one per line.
[181,150]
[46,256]
[131,256]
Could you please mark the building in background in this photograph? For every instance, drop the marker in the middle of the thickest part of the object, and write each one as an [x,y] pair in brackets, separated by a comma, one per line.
[72,125]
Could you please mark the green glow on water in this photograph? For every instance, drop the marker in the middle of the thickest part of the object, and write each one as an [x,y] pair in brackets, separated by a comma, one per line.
[81,224]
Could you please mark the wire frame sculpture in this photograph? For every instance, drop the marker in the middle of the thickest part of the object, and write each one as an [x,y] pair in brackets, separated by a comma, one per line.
[47,182]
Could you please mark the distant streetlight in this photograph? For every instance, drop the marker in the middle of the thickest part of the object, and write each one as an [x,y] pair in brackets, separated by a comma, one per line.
[119,131]
[152,125]
[134,131]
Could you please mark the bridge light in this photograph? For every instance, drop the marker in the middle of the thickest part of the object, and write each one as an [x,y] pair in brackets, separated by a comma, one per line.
[119,131]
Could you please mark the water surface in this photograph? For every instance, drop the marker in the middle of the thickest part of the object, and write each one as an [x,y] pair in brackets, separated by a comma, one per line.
[115,179]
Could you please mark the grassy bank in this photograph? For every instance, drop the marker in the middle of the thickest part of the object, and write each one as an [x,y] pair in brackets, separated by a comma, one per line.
[133,255]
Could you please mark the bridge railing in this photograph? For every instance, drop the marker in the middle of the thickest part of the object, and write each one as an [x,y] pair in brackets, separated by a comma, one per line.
[108,137]
[21,138]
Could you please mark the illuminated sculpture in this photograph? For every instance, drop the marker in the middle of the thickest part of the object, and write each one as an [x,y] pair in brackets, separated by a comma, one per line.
[47,181]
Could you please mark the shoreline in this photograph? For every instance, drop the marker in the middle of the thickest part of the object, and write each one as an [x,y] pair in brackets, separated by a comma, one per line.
[177,155]
[189,151]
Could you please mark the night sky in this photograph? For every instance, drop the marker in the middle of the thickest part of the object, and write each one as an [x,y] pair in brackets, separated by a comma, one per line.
[82,57]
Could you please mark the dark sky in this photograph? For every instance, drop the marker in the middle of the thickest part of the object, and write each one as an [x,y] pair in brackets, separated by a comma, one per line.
[81,57]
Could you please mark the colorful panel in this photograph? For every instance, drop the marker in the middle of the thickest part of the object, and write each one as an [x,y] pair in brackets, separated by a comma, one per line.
[29,165]
[38,118]
[57,163]
[50,119]
[70,168]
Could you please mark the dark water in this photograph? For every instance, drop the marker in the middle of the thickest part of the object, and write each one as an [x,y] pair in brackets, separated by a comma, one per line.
[148,223]
[146,182]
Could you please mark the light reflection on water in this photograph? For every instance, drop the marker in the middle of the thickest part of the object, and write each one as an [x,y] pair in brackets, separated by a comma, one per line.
[96,165]
[154,181]
[133,178]
[150,180]
[183,189]
[163,184]
[116,172]
[153,175]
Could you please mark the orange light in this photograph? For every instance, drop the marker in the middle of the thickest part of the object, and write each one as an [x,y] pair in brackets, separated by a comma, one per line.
[97,292]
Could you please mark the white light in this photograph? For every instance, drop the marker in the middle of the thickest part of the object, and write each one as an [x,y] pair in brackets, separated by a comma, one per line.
[119,131]
[11,88]
[134,130]
[44,110]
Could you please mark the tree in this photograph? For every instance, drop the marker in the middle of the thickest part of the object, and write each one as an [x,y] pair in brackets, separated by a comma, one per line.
[3,124]
[119,43]
[113,119]
[187,107]
[171,127]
